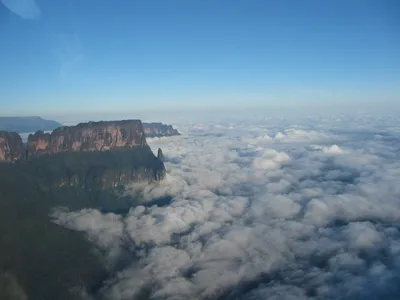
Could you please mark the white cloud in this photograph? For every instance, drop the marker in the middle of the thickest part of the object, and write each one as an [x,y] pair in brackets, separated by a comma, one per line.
[299,135]
[270,160]
[259,212]
[334,149]
[103,229]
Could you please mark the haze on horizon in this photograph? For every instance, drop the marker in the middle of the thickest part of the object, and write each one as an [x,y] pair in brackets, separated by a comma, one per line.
[59,58]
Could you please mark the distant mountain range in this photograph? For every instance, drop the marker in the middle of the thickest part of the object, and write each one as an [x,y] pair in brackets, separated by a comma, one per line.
[27,124]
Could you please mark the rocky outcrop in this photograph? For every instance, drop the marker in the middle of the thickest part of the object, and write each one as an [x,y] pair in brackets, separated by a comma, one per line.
[159,130]
[92,136]
[160,155]
[11,147]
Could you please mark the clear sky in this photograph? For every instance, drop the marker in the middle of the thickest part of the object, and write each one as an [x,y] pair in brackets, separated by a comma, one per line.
[63,56]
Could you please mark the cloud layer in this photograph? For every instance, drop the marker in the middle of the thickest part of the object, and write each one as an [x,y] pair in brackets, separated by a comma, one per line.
[261,209]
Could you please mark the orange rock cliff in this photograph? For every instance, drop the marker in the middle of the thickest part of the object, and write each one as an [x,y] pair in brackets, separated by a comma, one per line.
[92,136]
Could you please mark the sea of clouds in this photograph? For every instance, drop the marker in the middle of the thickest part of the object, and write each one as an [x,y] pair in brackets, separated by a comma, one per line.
[261,208]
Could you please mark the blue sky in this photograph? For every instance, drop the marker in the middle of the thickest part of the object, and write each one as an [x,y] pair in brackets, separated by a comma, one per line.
[67,56]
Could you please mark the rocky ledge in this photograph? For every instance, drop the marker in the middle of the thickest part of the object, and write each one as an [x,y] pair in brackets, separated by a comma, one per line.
[158,130]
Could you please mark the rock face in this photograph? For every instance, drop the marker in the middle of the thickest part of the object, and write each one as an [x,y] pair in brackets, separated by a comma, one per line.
[159,130]
[11,147]
[92,136]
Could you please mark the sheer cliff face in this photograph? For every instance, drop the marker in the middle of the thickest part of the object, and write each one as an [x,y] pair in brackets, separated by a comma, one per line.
[11,147]
[159,129]
[92,136]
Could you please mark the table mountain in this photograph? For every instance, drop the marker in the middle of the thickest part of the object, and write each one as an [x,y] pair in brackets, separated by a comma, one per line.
[89,155]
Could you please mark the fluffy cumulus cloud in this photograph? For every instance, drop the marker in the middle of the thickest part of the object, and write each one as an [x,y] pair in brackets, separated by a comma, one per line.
[261,209]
